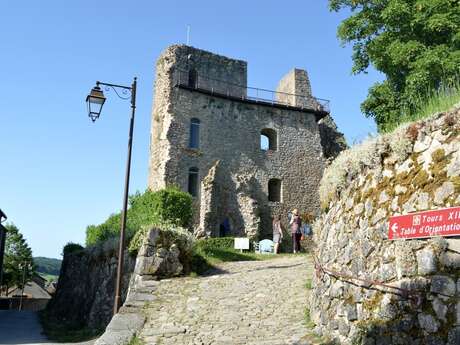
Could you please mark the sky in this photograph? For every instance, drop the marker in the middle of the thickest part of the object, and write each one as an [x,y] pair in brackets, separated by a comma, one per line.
[59,171]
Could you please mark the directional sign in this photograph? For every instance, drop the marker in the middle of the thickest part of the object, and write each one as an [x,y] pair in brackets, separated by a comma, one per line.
[443,222]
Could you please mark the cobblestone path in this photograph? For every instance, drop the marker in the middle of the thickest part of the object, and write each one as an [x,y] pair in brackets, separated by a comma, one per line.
[252,302]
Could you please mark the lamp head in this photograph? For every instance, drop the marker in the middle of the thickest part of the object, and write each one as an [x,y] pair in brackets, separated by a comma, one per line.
[95,100]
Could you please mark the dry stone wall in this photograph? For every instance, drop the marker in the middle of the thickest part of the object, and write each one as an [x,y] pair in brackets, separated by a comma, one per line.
[416,168]
[86,287]
[163,253]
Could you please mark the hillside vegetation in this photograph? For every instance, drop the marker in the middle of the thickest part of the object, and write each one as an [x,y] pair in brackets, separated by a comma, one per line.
[47,266]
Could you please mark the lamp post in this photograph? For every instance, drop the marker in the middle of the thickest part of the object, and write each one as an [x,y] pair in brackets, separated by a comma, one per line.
[95,101]
[25,266]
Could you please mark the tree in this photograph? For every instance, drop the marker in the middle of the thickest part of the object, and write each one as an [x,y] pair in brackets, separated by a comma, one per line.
[17,254]
[415,43]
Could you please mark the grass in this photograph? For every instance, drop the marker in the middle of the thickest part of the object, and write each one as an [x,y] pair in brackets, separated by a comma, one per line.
[63,333]
[307,319]
[212,252]
[308,284]
[136,341]
[438,100]
[49,277]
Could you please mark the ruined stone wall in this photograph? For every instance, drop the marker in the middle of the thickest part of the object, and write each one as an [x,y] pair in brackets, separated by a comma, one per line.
[415,168]
[230,133]
[86,287]
[295,89]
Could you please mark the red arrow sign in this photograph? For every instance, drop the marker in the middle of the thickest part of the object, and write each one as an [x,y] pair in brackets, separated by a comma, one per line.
[443,222]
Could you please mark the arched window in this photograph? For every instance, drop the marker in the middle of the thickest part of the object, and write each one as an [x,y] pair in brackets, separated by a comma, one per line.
[192,78]
[268,139]
[193,180]
[194,141]
[274,190]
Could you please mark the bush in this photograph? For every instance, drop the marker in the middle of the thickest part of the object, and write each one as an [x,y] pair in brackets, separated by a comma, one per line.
[70,248]
[167,206]
[210,244]
[172,205]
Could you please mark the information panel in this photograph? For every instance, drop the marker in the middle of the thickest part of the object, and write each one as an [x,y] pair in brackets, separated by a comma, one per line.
[443,222]
[241,243]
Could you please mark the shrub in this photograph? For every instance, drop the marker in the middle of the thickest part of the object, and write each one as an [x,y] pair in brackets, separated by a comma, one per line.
[172,205]
[70,248]
[167,206]
[215,243]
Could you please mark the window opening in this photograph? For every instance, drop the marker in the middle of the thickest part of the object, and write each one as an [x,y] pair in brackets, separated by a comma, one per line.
[194,142]
[268,139]
[274,190]
[192,78]
[193,181]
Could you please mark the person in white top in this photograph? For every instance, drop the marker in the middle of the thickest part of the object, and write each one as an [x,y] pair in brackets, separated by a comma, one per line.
[277,233]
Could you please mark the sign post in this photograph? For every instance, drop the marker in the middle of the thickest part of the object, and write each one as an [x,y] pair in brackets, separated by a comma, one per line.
[443,222]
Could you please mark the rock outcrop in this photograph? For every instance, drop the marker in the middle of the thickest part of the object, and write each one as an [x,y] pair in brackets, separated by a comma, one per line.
[416,168]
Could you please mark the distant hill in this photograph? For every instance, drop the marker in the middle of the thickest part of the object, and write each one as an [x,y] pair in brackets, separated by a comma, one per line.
[48,266]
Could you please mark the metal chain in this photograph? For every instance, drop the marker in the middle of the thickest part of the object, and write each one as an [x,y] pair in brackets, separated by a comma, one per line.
[415,296]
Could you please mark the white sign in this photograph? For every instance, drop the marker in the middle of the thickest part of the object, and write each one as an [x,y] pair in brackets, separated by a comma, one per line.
[241,243]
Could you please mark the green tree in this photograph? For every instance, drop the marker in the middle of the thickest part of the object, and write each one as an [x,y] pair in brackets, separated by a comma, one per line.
[17,254]
[415,43]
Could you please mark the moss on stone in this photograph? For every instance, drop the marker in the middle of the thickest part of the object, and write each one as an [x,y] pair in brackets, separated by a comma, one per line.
[421,179]
[438,155]
[456,181]
[373,303]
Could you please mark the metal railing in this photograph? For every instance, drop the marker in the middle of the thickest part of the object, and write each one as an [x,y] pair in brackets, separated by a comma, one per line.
[233,90]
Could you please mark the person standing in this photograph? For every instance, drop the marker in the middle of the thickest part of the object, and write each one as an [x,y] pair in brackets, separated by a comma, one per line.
[295,224]
[277,233]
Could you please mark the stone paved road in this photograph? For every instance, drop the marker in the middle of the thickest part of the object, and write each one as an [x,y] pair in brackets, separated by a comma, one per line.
[255,302]
[23,327]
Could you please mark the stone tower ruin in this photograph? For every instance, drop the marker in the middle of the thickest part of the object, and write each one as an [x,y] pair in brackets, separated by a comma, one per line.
[207,127]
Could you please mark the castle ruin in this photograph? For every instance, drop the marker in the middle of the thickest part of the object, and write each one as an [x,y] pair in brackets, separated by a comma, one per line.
[244,154]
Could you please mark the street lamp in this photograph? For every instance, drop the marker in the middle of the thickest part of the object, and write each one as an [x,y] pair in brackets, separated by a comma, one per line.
[25,266]
[95,102]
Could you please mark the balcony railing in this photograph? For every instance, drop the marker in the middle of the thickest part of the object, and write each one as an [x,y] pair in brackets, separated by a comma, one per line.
[245,93]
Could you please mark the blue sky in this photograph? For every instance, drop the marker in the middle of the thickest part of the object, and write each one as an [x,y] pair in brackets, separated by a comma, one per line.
[59,171]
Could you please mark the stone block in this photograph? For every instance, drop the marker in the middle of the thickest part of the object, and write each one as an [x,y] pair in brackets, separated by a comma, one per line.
[457,314]
[439,308]
[450,260]
[443,285]
[443,192]
[122,322]
[453,244]
[453,337]
[387,272]
[379,215]
[428,323]
[336,289]
[344,328]
[351,312]
[406,264]
[426,262]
